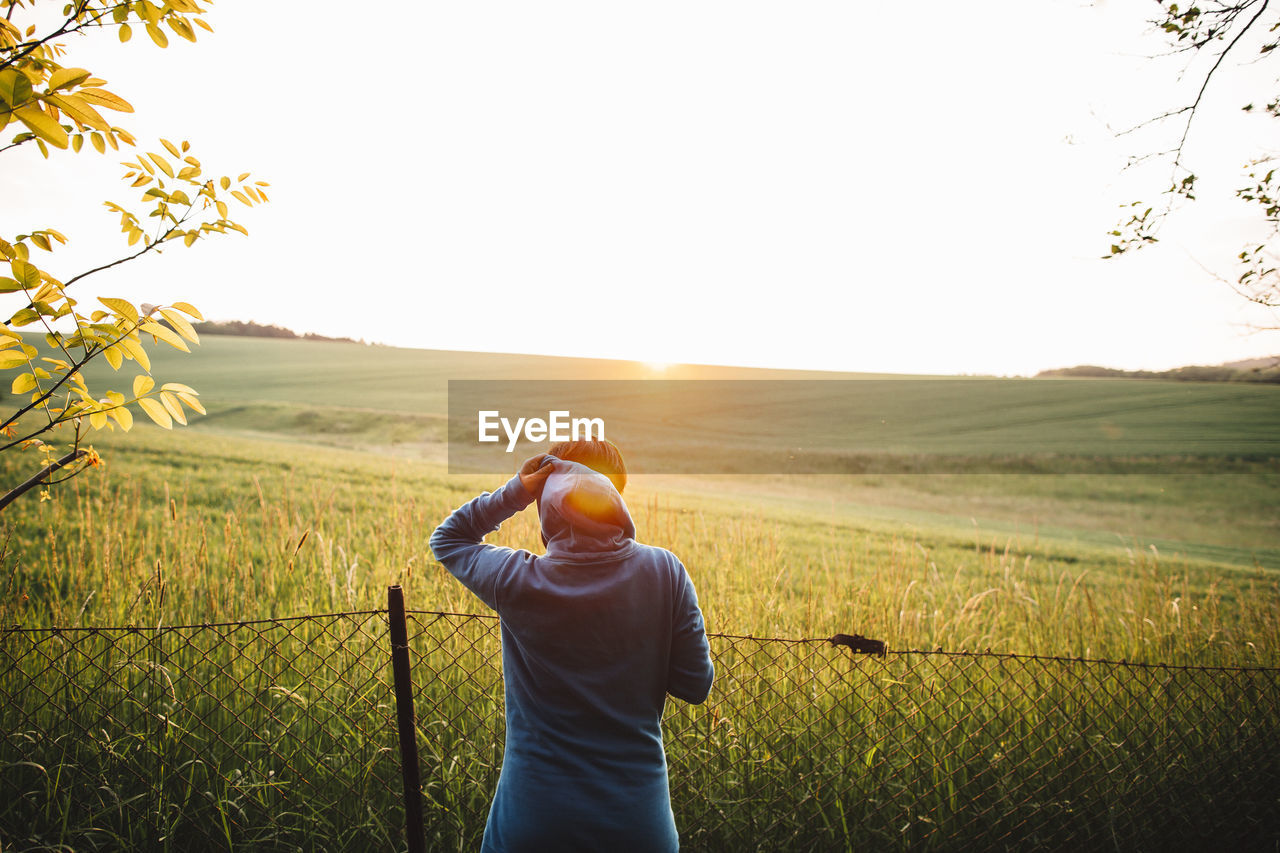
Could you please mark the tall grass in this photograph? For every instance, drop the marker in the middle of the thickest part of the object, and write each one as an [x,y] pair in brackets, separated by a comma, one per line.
[198,528]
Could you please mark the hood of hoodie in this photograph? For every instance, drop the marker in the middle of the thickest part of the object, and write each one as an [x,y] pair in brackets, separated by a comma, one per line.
[582,514]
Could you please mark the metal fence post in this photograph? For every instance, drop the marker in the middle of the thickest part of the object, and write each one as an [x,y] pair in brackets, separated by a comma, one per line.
[405,720]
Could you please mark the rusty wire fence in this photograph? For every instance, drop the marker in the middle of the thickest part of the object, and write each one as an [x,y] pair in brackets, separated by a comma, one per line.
[281,735]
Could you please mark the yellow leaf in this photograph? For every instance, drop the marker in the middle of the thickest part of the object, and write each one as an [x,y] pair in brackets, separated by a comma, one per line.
[114,358]
[42,125]
[192,403]
[163,333]
[188,309]
[125,32]
[12,358]
[77,142]
[179,388]
[110,100]
[242,177]
[116,398]
[172,149]
[123,416]
[142,383]
[182,28]
[121,307]
[23,382]
[136,351]
[98,419]
[239,196]
[8,285]
[225,182]
[79,109]
[174,407]
[15,87]
[156,412]
[162,163]
[26,274]
[189,238]
[147,11]
[41,241]
[222,208]
[98,143]
[179,323]
[157,36]
[66,78]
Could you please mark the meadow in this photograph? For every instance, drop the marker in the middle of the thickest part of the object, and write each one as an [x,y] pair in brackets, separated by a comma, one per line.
[314,481]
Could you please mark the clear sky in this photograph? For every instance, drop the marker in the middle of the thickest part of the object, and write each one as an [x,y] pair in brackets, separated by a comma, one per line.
[917,187]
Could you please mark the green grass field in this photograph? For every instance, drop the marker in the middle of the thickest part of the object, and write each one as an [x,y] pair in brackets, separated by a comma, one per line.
[319,472]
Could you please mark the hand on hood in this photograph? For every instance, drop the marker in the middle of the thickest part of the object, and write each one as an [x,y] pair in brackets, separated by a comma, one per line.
[534,473]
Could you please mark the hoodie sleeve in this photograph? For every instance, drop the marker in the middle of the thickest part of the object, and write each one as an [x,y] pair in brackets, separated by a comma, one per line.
[458,542]
[690,671]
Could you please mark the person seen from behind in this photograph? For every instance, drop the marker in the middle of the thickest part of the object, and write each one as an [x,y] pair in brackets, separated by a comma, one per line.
[596,633]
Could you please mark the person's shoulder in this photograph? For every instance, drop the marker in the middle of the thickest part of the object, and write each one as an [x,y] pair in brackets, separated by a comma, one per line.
[659,556]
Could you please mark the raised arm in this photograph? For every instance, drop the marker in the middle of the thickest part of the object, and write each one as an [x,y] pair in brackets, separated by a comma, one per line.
[458,543]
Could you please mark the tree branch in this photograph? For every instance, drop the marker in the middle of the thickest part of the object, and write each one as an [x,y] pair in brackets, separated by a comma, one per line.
[19,491]
[1177,160]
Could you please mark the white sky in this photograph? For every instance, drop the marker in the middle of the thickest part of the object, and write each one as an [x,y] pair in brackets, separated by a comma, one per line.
[917,187]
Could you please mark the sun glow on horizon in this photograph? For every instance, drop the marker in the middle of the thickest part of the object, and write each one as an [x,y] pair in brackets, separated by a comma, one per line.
[657,366]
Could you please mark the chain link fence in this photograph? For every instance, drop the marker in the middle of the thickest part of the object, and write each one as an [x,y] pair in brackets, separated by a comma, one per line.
[281,735]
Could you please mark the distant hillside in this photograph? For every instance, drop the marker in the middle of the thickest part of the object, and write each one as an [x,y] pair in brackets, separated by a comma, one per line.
[1252,370]
[1255,363]
[250,329]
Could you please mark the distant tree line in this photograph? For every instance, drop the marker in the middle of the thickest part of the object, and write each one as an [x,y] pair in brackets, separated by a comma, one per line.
[1193,373]
[250,329]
